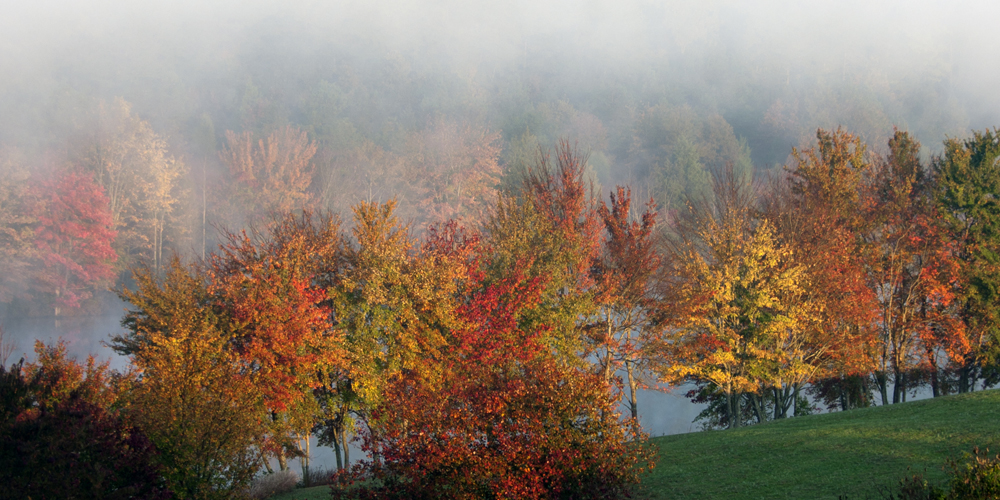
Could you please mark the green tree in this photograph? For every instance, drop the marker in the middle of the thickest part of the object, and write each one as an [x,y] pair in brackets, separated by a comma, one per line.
[967,188]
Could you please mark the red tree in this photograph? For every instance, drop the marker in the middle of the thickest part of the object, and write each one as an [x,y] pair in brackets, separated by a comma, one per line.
[73,238]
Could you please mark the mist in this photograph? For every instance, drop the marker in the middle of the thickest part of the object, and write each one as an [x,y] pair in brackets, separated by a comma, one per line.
[632,83]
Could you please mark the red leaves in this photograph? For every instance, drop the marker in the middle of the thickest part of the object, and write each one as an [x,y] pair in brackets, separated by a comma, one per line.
[73,237]
[508,421]
[280,319]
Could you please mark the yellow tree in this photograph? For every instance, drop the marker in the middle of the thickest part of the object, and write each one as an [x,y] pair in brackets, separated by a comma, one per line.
[141,180]
[16,224]
[736,292]
[192,397]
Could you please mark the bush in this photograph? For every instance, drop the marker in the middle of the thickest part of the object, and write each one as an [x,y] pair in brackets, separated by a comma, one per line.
[539,432]
[70,448]
[977,478]
[272,484]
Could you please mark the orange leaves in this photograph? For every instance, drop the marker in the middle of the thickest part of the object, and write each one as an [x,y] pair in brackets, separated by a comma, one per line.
[269,285]
[272,174]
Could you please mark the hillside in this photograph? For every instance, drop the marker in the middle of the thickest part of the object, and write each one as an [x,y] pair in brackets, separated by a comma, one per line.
[823,456]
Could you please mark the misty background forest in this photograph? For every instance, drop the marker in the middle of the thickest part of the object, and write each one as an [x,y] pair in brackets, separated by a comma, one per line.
[172,126]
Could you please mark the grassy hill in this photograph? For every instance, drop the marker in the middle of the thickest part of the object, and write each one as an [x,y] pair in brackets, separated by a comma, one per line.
[823,456]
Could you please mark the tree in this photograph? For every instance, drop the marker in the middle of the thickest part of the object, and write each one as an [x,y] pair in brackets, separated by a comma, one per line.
[552,223]
[816,210]
[271,285]
[141,180]
[73,238]
[454,171]
[911,270]
[627,324]
[270,175]
[60,435]
[967,183]
[16,228]
[738,301]
[193,397]
[509,420]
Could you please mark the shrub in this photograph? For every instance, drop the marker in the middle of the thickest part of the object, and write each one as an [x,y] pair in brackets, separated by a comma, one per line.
[977,478]
[70,448]
[272,484]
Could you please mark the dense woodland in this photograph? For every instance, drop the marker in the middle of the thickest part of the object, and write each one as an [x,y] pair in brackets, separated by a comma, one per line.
[466,268]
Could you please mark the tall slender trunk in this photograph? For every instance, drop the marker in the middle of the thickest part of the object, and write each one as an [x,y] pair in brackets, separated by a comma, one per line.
[777,405]
[795,400]
[965,378]
[304,461]
[632,389]
[755,401]
[898,386]
[347,451]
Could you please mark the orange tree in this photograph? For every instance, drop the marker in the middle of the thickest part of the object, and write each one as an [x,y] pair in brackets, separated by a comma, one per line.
[269,283]
[911,269]
[817,211]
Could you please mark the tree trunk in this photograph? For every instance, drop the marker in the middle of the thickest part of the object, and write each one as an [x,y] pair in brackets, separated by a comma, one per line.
[735,415]
[336,450]
[897,386]
[777,407]
[632,389]
[755,401]
[795,401]
[305,462]
[882,380]
[347,452]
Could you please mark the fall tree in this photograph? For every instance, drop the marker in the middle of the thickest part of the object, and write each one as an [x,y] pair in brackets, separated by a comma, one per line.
[966,185]
[269,174]
[816,209]
[552,223]
[16,227]
[193,397]
[911,271]
[509,420]
[454,171]
[60,432]
[141,180]
[737,301]
[268,282]
[73,238]
[627,322]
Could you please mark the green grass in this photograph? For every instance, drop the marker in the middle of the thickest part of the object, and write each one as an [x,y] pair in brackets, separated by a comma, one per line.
[314,493]
[823,456]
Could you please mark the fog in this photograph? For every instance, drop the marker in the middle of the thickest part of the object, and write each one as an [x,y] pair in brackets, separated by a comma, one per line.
[770,71]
